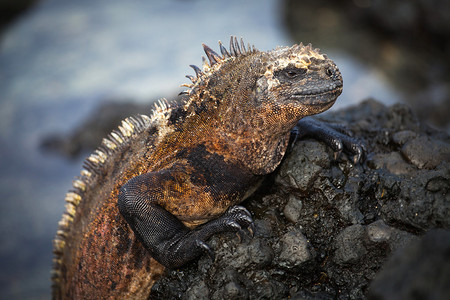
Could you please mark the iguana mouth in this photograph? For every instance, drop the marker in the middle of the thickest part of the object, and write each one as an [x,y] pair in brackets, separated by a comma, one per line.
[316,97]
[331,87]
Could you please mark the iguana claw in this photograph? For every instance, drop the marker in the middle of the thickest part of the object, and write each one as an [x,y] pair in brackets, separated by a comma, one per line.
[334,135]
[206,249]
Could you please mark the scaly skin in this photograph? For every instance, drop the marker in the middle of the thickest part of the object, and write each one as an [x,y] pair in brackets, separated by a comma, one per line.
[158,188]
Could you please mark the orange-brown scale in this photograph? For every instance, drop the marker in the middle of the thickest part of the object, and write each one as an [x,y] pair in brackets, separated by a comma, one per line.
[193,202]
[121,266]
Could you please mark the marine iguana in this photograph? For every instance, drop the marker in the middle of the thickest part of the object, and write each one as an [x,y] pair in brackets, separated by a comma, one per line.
[158,187]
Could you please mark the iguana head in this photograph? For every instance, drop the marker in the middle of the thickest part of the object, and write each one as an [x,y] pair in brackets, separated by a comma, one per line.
[250,100]
[299,78]
[280,86]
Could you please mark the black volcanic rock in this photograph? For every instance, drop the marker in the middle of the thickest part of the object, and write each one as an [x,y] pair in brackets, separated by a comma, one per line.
[325,228]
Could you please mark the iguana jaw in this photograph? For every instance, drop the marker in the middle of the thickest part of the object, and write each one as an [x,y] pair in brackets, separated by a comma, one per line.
[317,99]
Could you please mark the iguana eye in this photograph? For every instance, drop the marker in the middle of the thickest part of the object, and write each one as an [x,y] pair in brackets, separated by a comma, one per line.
[293,73]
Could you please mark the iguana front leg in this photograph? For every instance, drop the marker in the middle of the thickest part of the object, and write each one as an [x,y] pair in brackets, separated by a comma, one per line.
[167,239]
[335,136]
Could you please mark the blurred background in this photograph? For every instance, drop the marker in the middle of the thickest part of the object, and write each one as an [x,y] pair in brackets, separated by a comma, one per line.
[69,69]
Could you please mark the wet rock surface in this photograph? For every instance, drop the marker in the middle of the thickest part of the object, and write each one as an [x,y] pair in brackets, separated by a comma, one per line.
[325,228]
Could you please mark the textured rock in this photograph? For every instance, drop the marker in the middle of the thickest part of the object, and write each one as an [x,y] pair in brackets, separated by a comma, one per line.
[349,245]
[292,209]
[378,232]
[419,270]
[425,153]
[324,228]
[294,249]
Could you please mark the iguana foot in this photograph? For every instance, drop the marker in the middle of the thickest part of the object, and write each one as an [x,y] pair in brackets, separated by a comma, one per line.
[192,243]
[336,136]
[167,239]
[236,219]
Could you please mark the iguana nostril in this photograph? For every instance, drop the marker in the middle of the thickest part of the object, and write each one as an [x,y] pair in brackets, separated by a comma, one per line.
[329,72]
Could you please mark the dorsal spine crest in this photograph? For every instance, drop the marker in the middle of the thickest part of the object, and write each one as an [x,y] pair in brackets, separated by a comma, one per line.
[94,164]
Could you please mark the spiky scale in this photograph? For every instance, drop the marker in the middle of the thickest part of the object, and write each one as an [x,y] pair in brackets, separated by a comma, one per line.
[79,184]
[109,144]
[117,137]
[188,85]
[68,217]
[93,158]
[59,245]
[61,233]
[90,166]
[191,78]
[234,47]
[64,222]
[73,198]
[198,71]
[145,120]
[70,209]
[101,155]
[160,105]
[85,173]
[224,50]
[128,126]
[213,57]
[205,65]
[243,46]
